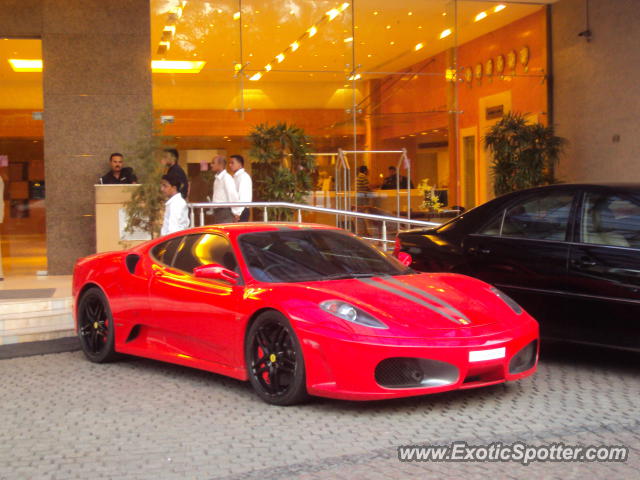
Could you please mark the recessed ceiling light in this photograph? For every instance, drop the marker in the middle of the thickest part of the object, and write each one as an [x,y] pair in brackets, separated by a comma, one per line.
[388,27]
[312,31]
[375,13]
[392,43]
[236,15]
[480,16]
[445,33]
[370,55]
[499,8]
[419,46]
[255,77]
[348,40]
[409,13]
[280,57]
[267,67]
[294,46]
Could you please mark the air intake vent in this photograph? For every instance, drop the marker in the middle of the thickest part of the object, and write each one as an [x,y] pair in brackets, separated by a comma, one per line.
[132,262]
[414,373]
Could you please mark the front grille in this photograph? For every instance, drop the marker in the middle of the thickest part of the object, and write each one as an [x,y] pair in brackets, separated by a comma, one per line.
[403,372]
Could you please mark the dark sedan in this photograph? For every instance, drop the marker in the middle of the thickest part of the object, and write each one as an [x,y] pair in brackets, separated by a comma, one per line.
[569,254]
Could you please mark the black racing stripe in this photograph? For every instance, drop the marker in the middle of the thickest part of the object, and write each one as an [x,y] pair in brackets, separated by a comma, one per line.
[408,296]
[428,295]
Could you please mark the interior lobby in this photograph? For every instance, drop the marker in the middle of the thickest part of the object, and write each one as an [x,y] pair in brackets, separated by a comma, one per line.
[423,77]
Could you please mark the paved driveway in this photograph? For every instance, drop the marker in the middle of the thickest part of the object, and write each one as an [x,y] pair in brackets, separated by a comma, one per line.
[65,418]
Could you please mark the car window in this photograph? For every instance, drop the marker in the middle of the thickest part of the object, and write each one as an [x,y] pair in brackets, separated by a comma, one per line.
[543,217]
[610,220]
[312,255]
[205,249]
[165,251]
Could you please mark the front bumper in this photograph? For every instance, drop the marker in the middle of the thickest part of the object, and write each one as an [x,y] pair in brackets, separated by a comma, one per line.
[345,368]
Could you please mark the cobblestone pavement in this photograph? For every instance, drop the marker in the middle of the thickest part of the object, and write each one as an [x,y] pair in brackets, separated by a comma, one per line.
[62,417]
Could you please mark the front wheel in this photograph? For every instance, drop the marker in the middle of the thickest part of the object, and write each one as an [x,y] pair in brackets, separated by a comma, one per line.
[274,360]
[95,326]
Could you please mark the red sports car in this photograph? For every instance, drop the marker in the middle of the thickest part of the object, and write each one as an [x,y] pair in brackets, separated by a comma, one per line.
[300,309]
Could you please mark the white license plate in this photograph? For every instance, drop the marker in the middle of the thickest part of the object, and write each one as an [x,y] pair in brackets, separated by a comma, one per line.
[483,355]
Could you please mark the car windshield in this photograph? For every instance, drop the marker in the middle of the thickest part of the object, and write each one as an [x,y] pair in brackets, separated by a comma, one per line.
[311,255]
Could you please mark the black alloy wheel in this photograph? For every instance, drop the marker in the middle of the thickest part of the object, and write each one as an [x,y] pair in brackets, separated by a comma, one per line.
[95,326]
[274,360]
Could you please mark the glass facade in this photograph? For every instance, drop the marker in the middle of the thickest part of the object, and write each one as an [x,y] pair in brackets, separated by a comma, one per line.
[427,77]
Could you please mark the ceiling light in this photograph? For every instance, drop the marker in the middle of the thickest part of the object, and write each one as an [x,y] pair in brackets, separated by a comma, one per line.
[256,77]
[499,8]
[419,46]
[312,31]
[344,6]
[392,43]
[347,40]
[267,67]
[375,13]
[480,16]
[445,33]
[355,77]
[19,65]
[388,27]
[280,57]
[236,15]
[333,13]
[165,45]
[410,13]
[294,46]
[237,67]
[176,66]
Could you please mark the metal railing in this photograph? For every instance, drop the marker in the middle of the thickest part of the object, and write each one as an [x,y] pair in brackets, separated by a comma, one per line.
[400,223]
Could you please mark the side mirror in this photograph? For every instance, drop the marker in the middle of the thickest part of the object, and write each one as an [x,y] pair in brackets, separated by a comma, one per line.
[214,271]
[405,259]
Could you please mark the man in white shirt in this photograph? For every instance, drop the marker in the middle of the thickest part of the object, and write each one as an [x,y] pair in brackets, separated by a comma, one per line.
[176,212]
[224,191]
[244,185]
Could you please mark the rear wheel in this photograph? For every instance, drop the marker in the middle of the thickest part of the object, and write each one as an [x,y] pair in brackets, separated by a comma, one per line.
[95,326]
[274,360]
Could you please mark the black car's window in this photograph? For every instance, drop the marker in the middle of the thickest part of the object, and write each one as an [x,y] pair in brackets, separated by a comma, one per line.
[610,220]
[165,251]
[204,249]
[308,255]
[542,218]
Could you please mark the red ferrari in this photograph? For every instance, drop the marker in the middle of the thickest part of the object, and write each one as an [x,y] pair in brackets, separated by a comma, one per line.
[300,309]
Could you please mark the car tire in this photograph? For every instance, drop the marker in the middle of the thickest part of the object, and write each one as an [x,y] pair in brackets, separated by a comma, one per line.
[274,360]
[96,327]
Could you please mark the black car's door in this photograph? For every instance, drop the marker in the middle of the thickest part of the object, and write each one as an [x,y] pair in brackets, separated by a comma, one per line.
[604,264]
[524,251]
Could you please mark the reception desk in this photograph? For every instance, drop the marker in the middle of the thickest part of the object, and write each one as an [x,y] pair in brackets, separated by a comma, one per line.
[111,219]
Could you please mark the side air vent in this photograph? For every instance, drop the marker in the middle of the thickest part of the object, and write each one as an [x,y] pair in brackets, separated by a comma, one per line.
[132,261]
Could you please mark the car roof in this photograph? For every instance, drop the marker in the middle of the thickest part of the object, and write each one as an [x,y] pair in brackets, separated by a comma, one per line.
[235,229]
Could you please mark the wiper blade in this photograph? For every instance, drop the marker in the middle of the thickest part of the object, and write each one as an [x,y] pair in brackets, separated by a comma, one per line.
[338,276]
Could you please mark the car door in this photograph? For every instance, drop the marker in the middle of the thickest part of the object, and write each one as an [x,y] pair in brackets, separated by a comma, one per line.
[524,251]
[193,316]
[604,264]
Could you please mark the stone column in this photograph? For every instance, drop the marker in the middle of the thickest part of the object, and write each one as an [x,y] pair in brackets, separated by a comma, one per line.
[97,85]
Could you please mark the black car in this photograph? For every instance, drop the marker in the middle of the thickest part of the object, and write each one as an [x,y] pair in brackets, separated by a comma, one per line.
[569,254]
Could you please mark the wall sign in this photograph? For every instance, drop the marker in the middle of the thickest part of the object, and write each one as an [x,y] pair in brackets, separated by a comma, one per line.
[494,112]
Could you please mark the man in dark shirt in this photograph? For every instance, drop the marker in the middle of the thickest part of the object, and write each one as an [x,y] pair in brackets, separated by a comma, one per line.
[170,160]
[118,174]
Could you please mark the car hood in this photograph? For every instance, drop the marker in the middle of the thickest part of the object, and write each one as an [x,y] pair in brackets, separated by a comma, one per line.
[420,304]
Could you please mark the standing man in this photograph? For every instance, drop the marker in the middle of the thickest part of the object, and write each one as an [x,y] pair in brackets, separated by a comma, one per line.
[176,212]
[224,191]
[118,174]
[170,159]
[244,185]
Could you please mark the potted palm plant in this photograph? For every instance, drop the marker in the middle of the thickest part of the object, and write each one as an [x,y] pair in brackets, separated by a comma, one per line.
[524,154]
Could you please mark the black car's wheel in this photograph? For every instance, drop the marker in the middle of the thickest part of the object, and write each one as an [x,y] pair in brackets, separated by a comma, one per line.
[95,326]
[274,360]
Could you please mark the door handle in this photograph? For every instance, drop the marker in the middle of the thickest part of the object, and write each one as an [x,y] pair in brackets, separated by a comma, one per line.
[479,251]
[584,262]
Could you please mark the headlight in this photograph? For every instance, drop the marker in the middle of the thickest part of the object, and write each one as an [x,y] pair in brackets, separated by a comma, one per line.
[508,300]
[352,314]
